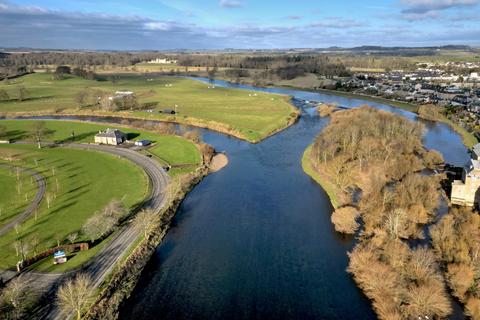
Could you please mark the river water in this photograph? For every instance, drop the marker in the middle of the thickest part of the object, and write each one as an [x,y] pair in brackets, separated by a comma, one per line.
[255,241]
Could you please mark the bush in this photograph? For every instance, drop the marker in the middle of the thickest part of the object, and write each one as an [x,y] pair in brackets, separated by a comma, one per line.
[345,220]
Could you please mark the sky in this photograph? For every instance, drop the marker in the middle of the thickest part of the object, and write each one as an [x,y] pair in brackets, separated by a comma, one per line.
[239,24]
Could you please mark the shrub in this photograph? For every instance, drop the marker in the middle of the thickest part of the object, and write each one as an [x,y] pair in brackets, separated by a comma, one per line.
[345,220]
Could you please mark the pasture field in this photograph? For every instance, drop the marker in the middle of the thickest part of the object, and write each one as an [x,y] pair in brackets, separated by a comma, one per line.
[246,114]
[79,183]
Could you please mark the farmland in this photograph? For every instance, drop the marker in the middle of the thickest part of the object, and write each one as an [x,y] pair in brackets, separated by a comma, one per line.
[248,115]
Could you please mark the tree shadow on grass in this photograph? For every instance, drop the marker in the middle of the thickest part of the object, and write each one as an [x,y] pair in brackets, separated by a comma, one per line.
[63,207]
[16,135]
[77,138]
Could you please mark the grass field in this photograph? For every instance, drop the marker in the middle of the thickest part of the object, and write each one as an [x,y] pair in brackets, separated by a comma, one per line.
[250,115]
[172,150]
[11,201]
[87,181]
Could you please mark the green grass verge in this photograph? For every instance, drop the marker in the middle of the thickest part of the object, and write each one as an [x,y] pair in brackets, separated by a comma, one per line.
[469,140]
[253,115]
[310,171]
[87,182]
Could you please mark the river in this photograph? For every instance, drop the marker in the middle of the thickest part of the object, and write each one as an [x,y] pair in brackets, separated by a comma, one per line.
[255,241]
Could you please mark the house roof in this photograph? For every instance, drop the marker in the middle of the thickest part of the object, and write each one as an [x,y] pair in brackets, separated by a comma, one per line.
[111,133]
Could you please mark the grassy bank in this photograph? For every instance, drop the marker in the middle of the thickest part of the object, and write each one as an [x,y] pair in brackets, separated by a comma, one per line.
[468,138]
[328,187]
[246,114]
[79,184]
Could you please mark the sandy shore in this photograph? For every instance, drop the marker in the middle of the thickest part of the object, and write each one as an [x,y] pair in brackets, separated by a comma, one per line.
[219,161]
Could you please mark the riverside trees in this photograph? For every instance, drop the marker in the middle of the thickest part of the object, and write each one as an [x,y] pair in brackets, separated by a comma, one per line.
[373,159]
[75,295]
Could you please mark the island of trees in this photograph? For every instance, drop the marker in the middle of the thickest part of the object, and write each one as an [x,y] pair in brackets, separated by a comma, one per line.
[376,170]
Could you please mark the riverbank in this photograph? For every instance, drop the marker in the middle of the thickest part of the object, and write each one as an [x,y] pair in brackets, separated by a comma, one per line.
[187,121]
[328,187]
[124,279]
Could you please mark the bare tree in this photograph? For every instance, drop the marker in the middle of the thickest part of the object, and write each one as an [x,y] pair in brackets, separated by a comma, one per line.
[34,242]
[39,132]
[395,220]
[146,220]
[115,209]
[21,93]
[72,237]
[98,226]
[81,97]
[21,248]
[49,198]
[75,295]
[16,295]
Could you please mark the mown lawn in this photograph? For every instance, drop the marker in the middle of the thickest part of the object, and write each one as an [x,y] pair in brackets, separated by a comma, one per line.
[173,150]
[11,201]
[87,181]
[254,115]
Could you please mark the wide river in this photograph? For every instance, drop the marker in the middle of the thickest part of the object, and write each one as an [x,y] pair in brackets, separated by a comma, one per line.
[255,241]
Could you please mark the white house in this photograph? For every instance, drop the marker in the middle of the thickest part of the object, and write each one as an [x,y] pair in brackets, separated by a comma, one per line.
[111,137]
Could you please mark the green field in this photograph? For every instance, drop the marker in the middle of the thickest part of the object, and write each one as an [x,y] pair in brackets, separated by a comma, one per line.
[87,181]
[172,150]
[11,201]
[251,115]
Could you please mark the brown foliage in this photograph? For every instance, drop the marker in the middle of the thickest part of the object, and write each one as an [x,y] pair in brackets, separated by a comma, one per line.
[381,154]
[345,220]
[326,109]
[456,239]
[460,279]
[473,308]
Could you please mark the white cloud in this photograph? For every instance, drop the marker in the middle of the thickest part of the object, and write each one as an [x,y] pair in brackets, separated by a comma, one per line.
[163,26]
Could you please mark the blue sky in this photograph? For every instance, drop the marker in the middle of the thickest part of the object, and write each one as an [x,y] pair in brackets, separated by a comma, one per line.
[217,24]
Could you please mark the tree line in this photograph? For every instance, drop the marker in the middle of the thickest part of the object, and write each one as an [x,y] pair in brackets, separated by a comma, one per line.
[284,66]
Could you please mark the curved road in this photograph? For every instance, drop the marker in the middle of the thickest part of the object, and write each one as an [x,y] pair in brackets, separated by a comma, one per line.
[105,260]
[41,183]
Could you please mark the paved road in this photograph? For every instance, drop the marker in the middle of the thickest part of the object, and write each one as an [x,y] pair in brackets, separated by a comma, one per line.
[104,261]
[41,183]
